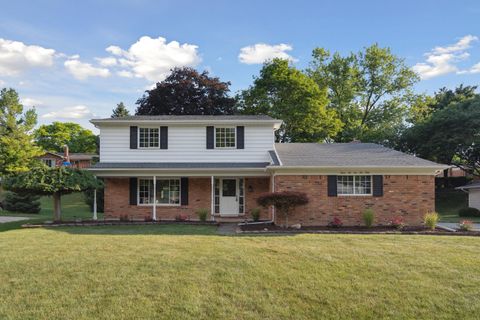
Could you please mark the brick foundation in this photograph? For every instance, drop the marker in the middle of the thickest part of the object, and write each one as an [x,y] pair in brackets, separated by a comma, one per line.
[407,196]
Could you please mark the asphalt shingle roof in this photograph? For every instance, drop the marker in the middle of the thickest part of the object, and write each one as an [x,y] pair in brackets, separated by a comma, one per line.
[179,165]
[346,155]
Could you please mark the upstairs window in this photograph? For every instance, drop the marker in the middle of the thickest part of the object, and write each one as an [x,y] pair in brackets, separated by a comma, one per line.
[225,137]
[149,137]
[354,185]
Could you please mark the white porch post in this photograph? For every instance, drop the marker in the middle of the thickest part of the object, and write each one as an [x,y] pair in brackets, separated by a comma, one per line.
[154,213]
[212,200]
[272,179]
[95,204]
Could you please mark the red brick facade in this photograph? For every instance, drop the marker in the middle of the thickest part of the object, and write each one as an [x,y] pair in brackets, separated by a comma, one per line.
[199,196]
[407,196]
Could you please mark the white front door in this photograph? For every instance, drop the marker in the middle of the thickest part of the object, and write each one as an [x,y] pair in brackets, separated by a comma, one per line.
[228,197]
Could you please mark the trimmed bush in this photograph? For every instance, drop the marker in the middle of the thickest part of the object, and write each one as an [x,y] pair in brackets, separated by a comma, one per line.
[430,220]
[469,212]
[283,201]
[255,212]
[202,214]
[368,217]
[21,202]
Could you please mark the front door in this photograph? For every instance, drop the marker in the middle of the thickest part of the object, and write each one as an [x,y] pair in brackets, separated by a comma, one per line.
[228,197]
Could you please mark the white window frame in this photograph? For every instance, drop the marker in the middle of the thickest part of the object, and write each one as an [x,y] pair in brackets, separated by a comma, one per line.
[354,178]
[160,204]
[149,128]
[234,139]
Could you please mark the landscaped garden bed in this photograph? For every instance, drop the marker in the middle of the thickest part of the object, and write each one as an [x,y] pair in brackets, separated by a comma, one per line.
[271,228]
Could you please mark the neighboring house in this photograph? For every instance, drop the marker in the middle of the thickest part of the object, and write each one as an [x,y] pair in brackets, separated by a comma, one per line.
[76,160]
[452,172]
[473,190]
[223,163]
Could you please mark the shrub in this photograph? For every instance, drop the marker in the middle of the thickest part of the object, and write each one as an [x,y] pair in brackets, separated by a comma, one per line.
[21,202]
[465,225]
[335,223]
[397,223]
[88,197]
[469,212]
[255,214]
[202,214]
[430,220]
[368,217]
[283,201]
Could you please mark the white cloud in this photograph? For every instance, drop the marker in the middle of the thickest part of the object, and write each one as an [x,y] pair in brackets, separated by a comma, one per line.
[152,59]
[2,82]
[261,52]
[75,112]
[442,60]
[30,102]
[82,70]
[125,74]
[107,62]
[16,57]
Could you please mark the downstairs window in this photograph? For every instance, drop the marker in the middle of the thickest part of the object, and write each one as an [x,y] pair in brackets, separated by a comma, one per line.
[354,185]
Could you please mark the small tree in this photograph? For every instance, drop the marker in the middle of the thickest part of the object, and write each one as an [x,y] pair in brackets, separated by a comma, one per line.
[284,201]
[120,111]
[52,181]
[21,202]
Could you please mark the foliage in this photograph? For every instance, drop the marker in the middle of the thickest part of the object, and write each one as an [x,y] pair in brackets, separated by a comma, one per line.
[88,196]
[370,91]
[21,202]
[53,137]
[430,220]
[465,225]
[202,214]
[469,212]
[120,111]
[450,136]
[17,151]
[335,223]
[283,92]
[368,217]
[255,213]
[283,201]
[187,92]
[397,223]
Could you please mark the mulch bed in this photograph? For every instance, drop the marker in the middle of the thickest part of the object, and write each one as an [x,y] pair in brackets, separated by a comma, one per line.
[272,229]
[93,223]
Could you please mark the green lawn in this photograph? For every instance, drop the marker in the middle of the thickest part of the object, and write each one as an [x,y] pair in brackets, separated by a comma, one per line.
[448,202]
[189,272]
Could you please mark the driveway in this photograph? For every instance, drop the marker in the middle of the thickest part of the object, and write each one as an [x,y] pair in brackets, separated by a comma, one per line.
[451,225]
[4,219]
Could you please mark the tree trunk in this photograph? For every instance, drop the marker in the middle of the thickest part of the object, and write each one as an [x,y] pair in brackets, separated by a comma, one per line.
[57,211]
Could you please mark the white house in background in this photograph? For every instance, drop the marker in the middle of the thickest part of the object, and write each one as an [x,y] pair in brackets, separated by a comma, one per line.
[473,190]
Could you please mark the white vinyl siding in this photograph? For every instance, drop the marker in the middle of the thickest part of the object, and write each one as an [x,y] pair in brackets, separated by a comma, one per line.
[186,143]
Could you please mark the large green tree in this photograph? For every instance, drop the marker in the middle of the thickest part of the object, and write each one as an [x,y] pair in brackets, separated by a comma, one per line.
[370,91]
[120,111]
[17,150]
[187,92]
[53,137]
[52,181]
[286,93]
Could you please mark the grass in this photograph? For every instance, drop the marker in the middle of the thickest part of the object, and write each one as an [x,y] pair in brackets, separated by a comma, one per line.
[73,206]
[189,272]
[447,204]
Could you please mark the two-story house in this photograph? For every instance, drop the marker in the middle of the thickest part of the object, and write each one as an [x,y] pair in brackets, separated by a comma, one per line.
[160,167]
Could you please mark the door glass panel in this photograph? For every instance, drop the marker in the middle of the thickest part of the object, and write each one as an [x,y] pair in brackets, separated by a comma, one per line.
[229,188]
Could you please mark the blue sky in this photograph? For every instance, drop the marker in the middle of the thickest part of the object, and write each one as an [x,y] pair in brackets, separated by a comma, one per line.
[75,60]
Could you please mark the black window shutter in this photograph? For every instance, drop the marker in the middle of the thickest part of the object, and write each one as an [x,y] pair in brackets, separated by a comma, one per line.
[133,137]
[163,137]
[377,186]
[184,191]
[240,137]
[133,191]
[332,186]
[210,137]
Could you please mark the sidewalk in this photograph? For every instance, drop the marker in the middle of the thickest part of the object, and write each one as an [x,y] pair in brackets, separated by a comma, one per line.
[451,225]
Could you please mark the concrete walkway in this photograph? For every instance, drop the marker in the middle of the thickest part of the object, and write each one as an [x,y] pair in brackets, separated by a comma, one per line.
[5,219]
[451,225]
[227,229]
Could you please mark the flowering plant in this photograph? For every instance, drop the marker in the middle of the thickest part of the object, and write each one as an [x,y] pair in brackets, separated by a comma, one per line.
[397,223]
[335,223]
[465,225]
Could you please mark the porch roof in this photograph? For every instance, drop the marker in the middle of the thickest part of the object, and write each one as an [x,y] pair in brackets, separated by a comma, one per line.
[179,165]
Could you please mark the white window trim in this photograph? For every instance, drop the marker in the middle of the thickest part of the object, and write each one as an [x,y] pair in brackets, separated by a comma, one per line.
[148,148]
[215,137]
[160,204]
[355,194]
